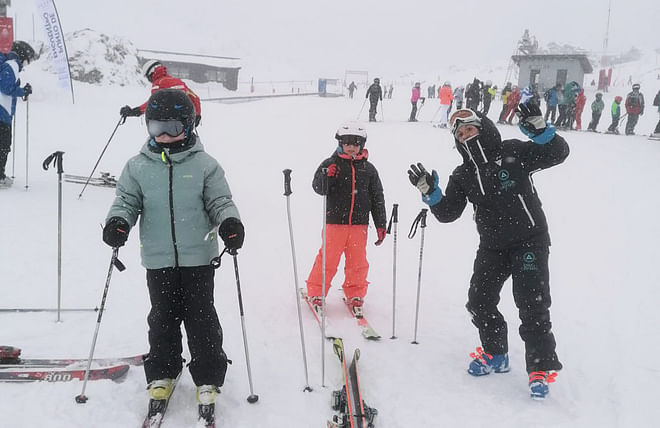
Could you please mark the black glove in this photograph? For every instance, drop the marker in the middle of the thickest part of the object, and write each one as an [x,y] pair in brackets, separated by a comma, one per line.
[232,233]
[127,111]
[531,119]
[115,232]
[197,120]
[420,178]
[27,89]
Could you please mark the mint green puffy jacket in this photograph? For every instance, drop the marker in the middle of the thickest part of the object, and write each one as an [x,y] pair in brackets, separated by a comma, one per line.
[180,199]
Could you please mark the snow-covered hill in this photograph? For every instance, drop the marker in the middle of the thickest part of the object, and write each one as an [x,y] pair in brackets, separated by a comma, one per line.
[600,204]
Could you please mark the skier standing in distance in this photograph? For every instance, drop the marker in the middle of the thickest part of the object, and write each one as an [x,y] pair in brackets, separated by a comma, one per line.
[20,55]
[351,88]
[374,94]
[656,102]
[180,195]
[505,103]
[580,102]
[156,73]
[458,96]
[446,97]
[551,97]
[413,100]
[616,115]
[354,190]
[634,108]
[597,107]
[495,177]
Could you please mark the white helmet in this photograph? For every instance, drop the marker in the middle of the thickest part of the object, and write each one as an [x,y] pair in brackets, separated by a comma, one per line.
[352,129]
[149,67]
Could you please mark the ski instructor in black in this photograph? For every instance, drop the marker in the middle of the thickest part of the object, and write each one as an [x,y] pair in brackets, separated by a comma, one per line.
[374,94]
[495,177]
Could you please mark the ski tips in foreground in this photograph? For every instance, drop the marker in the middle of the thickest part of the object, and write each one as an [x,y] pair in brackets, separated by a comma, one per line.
[353,411]
[10,358]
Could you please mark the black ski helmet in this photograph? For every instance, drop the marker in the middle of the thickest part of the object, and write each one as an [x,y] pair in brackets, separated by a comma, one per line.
[171,104]
[23,51]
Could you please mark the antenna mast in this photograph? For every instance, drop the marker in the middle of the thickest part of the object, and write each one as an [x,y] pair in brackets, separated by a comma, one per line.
[603,60]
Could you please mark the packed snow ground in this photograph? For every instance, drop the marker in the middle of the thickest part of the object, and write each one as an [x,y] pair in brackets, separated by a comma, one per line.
[601,206]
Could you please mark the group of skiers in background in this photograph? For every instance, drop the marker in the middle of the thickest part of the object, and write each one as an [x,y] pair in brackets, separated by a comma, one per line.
[565,104]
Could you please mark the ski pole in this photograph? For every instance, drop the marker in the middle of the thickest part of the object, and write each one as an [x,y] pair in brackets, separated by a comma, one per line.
[13,146]
[56,159]
[382,111]
[436,113]
[114,262]
[394,219]
[122,119]
[27,140]
[361,108]
[252,398]
[287,193]
[325,241]
[421,221]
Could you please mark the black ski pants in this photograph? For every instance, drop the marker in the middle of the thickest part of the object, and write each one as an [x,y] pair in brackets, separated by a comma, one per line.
[413,112]
[505,108]
[373,103]
[595,118]
[551,112]
[184,294]
[487,101]
[528,268]
[657,128]
[5,146]
[631,123]
[614,125]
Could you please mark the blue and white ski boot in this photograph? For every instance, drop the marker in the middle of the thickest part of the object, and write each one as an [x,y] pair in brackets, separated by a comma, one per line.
[483,363]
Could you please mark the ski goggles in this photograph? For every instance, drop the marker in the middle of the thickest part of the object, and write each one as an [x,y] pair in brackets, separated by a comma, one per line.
[173,128]
[351,140]
[462,118]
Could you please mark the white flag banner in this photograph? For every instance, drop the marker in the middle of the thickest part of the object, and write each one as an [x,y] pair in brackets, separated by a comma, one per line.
[50,22]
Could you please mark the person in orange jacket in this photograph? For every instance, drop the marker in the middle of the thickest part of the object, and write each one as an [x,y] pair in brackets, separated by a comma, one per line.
[156,73]
[579,108]
[446,97]
[353,190]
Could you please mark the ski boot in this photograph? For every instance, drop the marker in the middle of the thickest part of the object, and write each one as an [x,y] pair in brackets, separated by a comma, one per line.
[206,395]
[483,363]
[317,304]
[538,383]
[355,305]
[6,182]
[159,395]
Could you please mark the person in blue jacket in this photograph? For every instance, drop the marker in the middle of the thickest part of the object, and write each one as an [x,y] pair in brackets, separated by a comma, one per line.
[10,89]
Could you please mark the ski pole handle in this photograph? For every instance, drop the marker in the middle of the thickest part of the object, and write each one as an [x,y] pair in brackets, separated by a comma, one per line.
[423,219]
[287,182]
[394,218]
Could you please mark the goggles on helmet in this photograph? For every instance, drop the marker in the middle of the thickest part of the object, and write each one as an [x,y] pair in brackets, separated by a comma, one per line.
[463,117]
[173,128]
[350,140]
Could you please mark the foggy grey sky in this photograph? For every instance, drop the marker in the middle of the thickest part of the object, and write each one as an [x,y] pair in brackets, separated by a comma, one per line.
[309,37]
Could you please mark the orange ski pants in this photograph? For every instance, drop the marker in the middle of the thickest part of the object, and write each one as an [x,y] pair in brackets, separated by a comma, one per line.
[351,240]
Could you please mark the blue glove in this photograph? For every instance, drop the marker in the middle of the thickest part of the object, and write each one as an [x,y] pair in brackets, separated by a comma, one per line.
[426,183]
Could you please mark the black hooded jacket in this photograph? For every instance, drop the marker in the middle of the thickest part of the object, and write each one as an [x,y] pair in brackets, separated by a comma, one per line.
[496,177]
[355,192]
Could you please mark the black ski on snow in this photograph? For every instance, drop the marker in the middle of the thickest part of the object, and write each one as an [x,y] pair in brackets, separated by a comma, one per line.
[56,375]
[105,180]
[341,399]
[354,413]
[10,358]
[157,408]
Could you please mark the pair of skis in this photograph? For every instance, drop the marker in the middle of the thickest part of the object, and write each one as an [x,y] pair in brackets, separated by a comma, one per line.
[367,331]
[13,368]
[157,409]
[353,411]
[105,180]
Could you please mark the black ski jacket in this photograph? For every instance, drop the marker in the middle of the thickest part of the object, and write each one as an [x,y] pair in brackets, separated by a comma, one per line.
[374,92]
[496,177]
[355,192]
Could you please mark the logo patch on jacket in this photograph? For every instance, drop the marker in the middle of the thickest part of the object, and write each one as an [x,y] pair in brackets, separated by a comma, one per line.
[505,182]
[529,259]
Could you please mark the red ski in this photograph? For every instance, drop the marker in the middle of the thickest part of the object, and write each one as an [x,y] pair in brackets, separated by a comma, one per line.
[114,373]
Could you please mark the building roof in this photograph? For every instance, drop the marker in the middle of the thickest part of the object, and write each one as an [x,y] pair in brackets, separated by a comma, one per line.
[584,60]
[210,60]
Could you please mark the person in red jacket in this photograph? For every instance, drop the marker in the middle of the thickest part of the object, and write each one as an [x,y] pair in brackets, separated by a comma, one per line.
[353,190]
[512,104]
[156,73]
[446,97]
[579,108]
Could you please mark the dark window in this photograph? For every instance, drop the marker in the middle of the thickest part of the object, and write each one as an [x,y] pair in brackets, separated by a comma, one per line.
[534,77]
[561,76]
